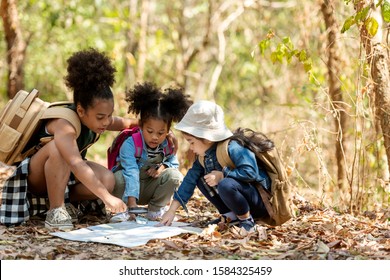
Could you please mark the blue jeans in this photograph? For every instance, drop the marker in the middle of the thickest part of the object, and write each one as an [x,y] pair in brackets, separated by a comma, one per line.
[236,196]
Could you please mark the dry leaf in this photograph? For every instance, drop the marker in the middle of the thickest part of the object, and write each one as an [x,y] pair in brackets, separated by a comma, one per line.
[343,236]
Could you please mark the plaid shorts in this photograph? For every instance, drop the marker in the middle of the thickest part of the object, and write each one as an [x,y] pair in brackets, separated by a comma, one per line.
[18,204]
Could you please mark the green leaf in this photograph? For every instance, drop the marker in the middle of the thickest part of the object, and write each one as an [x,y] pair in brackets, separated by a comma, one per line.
[386,10]
[362,14]
[371,26]
[302,55]
[287,42]
[307,65]
[290,55]
[273,57]
[263,45]
[348,23]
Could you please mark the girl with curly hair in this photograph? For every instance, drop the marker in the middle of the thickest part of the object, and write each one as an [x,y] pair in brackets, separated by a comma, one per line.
[60,166]
[152,177]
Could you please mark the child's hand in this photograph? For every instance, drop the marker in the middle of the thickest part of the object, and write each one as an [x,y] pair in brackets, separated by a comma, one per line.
[154,172]
[115,205]
[166,219]
[213,178]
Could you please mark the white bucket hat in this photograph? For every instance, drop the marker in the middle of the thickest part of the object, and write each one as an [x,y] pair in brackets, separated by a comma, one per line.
[205,119]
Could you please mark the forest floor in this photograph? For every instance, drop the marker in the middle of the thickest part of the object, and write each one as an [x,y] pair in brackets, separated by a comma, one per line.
[315,233]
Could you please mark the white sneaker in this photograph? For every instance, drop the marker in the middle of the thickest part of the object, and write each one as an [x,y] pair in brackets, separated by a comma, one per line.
[58,218]
[73,212]
[155,215]
[120,217]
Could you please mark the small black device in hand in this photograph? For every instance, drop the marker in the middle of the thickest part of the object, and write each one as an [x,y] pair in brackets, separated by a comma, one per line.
[211,190]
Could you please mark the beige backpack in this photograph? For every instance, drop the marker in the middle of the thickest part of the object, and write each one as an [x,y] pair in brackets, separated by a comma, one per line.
[20,118]
[277,201]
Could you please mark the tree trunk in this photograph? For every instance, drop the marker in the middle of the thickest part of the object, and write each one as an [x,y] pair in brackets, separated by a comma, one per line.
[378,59]
[131,45]
[381,79]
[16,46]
[142,51]
[333,64]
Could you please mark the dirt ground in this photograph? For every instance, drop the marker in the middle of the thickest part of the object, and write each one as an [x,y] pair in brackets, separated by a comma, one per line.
[315,233]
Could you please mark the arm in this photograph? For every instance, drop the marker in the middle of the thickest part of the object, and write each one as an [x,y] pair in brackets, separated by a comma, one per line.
[245,161]
[187,187]
[183,194]
[119,123]
[65,141]
[169,161]
[168,216]
[130,170]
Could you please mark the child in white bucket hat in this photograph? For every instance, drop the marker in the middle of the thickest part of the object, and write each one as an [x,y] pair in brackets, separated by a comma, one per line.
[229,190]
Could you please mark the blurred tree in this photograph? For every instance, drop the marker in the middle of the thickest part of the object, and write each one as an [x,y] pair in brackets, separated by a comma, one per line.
[335,91]
[16,46]
[372,17]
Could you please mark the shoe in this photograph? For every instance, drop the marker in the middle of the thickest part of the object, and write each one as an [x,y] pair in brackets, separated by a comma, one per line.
[155,215]
[120,217]
[58,218]
[248,224]
[73,212]
[223,219]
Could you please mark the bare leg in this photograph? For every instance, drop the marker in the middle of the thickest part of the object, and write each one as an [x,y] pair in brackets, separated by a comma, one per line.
[80,192]
[49,174]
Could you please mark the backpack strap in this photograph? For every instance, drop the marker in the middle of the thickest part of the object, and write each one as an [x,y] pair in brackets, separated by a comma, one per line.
[223,157]
[223,154]
[29,99]
[138,144]
[168,150]
[63,113]
[266,197]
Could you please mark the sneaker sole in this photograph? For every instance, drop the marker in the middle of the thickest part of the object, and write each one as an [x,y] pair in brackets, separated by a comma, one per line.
[118,219]
[58,226]
[215,222]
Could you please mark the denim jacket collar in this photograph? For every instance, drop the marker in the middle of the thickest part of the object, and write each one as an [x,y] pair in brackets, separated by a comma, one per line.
[211,150]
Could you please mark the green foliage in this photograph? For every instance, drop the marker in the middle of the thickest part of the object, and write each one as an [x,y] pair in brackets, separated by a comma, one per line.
[372,26]
[386,10]
[285,50]
[359,17]
[362,17]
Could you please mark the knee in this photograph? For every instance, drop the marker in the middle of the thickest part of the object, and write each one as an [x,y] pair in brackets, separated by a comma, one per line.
[119,188]
[53,152]
[108,180]
[171,177]
[225,186]
[55,159]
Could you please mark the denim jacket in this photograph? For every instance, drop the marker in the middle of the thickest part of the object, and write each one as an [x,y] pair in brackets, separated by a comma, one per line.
[131,165]
[246,170]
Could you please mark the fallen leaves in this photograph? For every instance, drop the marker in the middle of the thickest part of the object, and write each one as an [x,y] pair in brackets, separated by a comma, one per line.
[314,234]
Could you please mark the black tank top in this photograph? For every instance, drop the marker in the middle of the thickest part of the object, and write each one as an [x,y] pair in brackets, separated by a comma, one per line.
[84,141]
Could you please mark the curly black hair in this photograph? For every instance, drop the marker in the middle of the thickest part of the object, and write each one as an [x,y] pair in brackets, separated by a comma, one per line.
[90,75]
[150,101]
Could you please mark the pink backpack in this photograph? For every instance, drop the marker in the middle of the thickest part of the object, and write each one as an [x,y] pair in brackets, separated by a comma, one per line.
[113,151]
